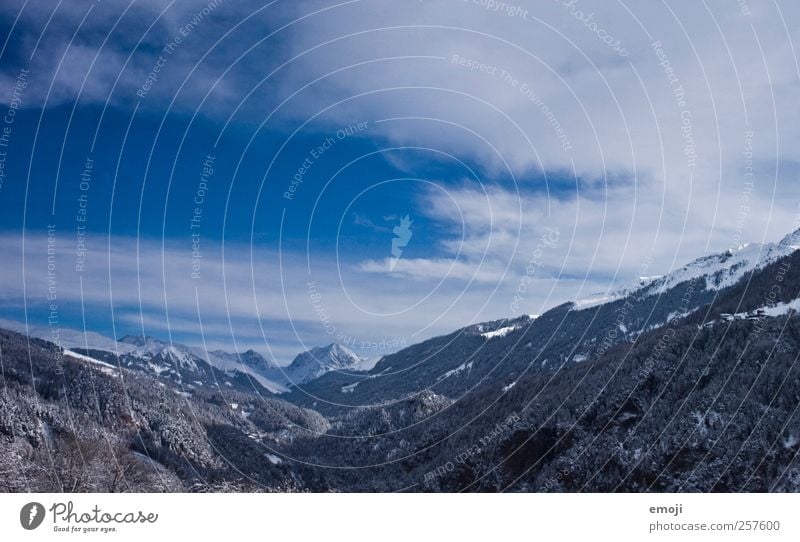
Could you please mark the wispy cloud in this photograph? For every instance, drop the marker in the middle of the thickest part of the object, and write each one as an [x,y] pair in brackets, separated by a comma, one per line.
[251,298]
[686,144]
[435,269]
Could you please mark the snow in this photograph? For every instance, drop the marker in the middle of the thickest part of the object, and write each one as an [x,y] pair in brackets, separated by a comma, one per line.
[460,369]
[726,269]
[782,309]
[158,369]
[349,388]
[314,363]
[268,384]
[106,368]
[502,332]
[81,357]
[182,359]
[599,299]
[274,459]
[367,364]
[650,279]
[671,316]
[719,270]
[184,356]
[231,364]
[69,338]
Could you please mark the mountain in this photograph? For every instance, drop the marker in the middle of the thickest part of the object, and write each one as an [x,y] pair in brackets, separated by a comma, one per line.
[183,361]
[249,358]
[68,338]
[686,382]
[716,271]
[71,423]
[571,333]
[704,403]
[318,361]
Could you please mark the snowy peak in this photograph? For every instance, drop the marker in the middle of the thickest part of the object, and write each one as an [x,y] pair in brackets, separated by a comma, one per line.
[320,360]
[179,358]
[144,343]
[185,360]
[249,358]
[176,354]
[791,241]
[718,270]
[727,268]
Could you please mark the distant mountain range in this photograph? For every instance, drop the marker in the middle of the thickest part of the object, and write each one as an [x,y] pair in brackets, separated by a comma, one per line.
[686,381]
[192,364]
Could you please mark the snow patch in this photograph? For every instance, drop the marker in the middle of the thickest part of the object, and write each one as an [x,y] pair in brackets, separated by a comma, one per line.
[274,459]
[81,357]
[502,332]
[350,388]
[781,309]
[460,369]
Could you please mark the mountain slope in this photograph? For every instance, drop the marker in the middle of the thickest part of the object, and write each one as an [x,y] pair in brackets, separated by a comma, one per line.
[71,423]
[690,387]
[504,350]
[717,271]
[702,404]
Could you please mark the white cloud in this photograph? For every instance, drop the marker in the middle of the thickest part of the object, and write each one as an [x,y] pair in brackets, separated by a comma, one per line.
[548,98]
[434,269]
[152,292]
[625,118]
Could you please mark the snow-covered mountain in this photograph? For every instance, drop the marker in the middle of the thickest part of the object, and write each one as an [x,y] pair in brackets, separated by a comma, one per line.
[248,363]
[572,333]
[316,362]
[68,338]
[249,358]
[718,270]
[183,363]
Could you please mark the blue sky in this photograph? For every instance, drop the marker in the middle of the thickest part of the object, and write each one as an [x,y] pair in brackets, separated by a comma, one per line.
[487,128]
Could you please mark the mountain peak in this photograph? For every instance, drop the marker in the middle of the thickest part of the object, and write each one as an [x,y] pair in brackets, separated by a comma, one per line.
[141,341]
[791,240]
[320,360]
[719,270]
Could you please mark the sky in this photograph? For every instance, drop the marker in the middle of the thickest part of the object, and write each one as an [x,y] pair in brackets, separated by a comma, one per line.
[282,175]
